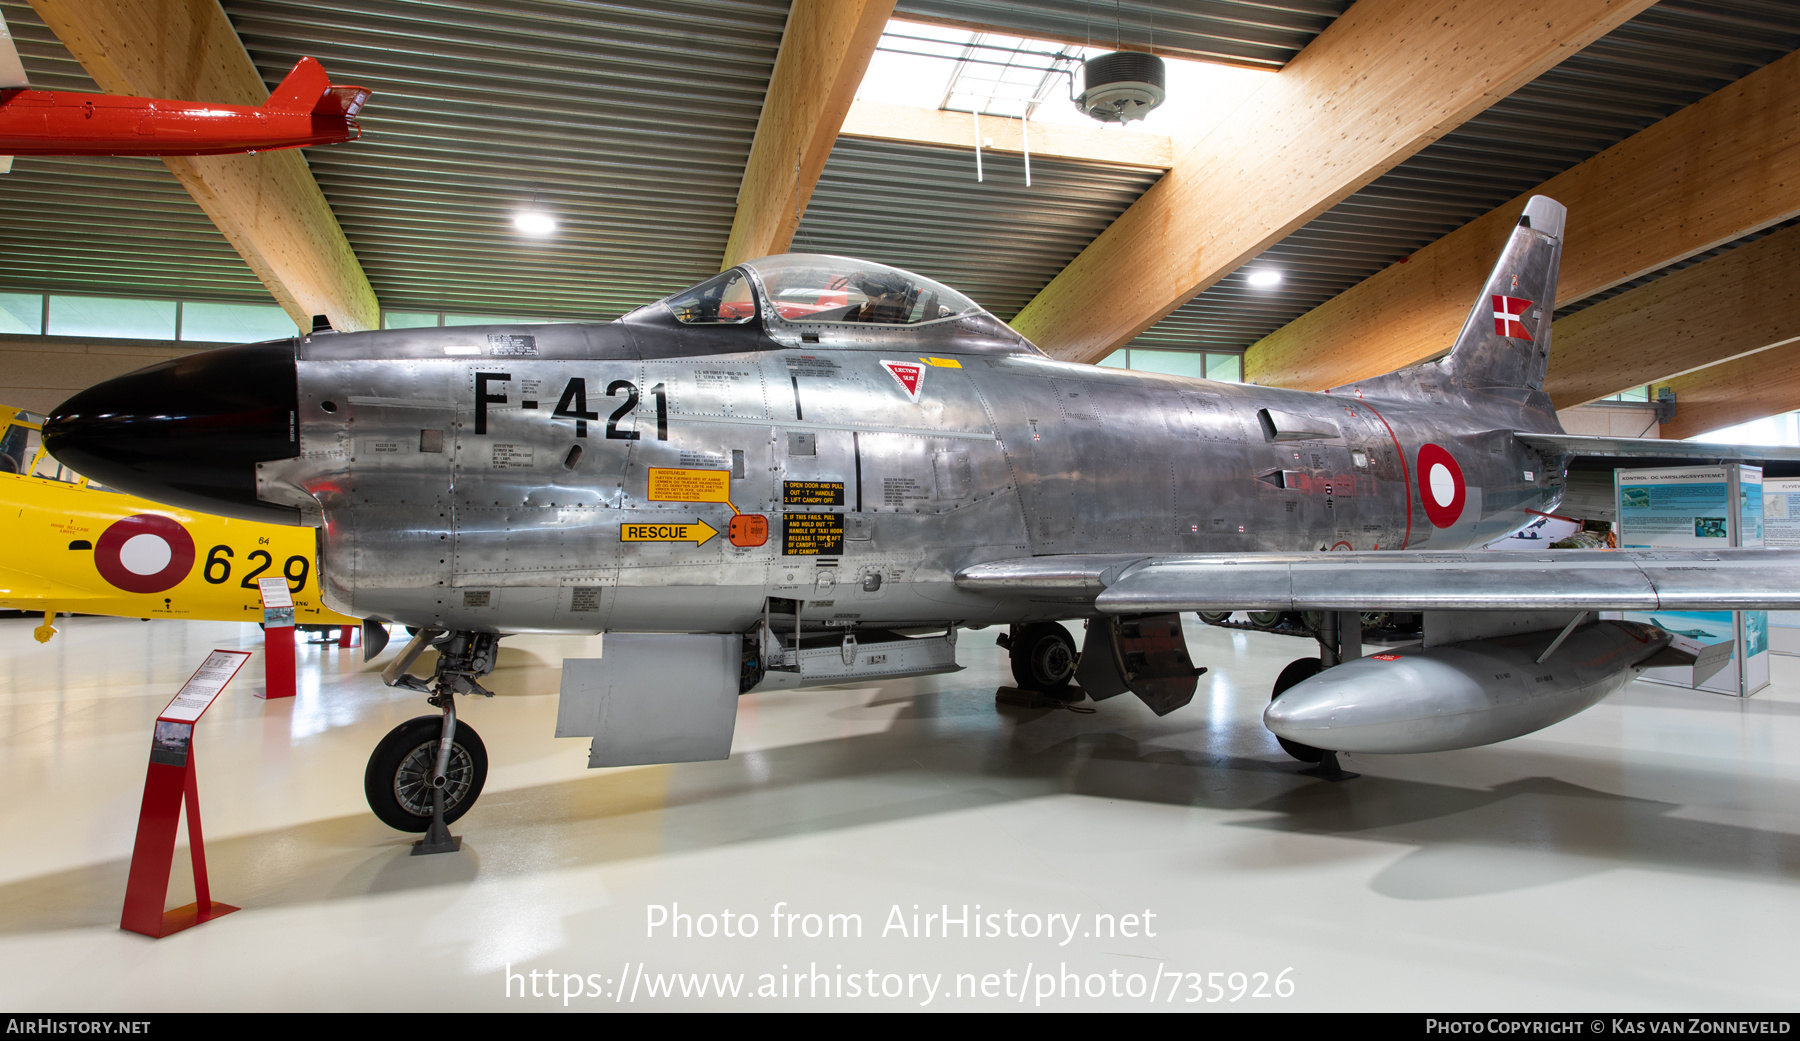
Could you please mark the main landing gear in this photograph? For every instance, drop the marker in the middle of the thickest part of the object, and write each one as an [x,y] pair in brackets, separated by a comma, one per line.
[1340,639]
[1043,659]
[429,770]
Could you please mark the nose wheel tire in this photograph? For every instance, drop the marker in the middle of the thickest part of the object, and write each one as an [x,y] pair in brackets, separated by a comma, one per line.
[398,779]
[1297,670]
[1043,658]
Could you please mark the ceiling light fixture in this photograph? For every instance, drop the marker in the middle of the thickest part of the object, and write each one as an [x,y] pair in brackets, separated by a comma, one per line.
[1264,278]
[535,223]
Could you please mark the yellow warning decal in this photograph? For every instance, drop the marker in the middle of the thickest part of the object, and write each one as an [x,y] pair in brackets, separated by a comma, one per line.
[672,485]
[699,532]
[943,363]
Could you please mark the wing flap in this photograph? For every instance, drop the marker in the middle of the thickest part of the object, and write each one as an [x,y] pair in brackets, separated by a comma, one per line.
[1650,448]
[1593,580]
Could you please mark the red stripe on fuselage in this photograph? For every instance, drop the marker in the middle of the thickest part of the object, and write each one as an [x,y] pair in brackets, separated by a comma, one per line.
[1405,474]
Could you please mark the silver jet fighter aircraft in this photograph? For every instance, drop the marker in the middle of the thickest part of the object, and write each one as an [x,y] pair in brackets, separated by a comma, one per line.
[816,470]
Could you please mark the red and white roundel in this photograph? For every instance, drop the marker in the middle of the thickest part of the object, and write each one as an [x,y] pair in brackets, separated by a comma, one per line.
[144,553]
[1441,486]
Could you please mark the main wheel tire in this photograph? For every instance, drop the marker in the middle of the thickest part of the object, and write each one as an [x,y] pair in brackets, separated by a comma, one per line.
[1043,658]
[1297,670]
[397,782]
[1214,617]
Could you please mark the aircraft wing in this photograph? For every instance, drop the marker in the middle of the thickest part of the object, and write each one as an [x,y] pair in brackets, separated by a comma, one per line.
[23,591]
[1403,580]
[1651,450]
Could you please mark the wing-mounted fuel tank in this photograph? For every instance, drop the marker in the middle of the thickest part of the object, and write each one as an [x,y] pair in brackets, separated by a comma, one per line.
[1437,696]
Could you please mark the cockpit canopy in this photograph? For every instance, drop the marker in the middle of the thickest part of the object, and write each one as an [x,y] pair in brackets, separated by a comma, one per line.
[809,288]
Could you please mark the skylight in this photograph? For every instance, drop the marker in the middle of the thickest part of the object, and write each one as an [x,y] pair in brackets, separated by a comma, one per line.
[961,70]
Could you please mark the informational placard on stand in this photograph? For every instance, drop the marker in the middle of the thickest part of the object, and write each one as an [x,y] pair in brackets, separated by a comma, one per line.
[278,638]
[1781,530]
[1700,507]
[169,784]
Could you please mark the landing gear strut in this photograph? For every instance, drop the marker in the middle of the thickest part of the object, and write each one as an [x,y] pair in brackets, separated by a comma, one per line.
[428,771]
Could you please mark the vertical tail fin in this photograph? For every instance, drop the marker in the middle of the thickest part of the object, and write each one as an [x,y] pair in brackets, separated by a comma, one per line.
[308,89]
[1505,341]
[302,88]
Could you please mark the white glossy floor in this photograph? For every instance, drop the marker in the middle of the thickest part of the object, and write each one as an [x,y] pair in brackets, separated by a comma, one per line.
[1642,856]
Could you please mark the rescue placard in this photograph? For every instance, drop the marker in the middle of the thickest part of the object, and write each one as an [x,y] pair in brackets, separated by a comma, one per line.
[812,534]
[671,485]
[812,493]
[699,532]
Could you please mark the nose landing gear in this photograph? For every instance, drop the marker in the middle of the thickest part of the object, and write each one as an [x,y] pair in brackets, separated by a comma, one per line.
[429,770]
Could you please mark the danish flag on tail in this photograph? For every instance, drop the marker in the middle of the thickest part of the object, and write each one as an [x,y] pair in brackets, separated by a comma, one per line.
[1507,310]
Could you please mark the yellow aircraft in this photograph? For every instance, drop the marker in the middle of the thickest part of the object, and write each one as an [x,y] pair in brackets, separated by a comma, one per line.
[71,546]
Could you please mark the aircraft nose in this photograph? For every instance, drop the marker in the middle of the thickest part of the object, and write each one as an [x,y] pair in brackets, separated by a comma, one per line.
[187,432]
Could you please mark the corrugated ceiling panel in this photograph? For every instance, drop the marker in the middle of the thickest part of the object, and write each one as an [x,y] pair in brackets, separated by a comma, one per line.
[1263,33]
[920,208]
[105,226]
[1668,57]
[630,122]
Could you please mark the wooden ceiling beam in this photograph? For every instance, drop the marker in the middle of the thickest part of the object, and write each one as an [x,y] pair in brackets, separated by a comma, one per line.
[825,49]
[1717,170]
[1386,79]
[268,206]
[1755,386]
[1729,306]
[929,126]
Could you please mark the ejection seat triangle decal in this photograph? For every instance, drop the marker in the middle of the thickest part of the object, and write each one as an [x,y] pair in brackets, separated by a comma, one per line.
[910,375]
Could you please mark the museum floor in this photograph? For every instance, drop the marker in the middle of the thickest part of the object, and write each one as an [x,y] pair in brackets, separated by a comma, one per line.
[1643,856]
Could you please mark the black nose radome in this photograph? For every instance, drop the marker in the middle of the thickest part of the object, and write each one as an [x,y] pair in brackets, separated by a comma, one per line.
[187,432]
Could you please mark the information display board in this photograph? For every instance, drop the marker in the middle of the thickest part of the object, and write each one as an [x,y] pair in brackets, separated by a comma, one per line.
[1781,530]
[1700,507]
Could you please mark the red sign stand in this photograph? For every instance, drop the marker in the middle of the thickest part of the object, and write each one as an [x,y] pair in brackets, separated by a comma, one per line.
[346,635]
[278,638]
[169,784]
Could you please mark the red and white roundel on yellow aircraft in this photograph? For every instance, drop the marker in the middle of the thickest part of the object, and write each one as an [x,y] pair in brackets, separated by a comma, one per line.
[77,549]
[1441,486]
[144,553]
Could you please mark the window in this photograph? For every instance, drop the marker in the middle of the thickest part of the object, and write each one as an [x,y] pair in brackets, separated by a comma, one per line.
[234,323]
[111,317]
[21,313]
[721,300]
[1172,363]
[491,319]
[1224,367]
[809,288]
[1227,367]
